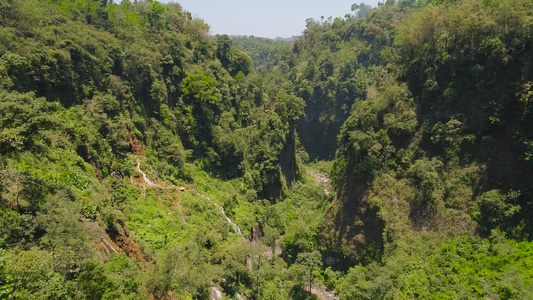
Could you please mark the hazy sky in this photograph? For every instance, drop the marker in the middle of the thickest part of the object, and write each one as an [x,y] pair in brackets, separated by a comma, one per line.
[265,18]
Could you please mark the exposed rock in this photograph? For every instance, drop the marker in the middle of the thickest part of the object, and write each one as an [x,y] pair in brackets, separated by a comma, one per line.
[353,229]
[320,177]
[256,234]
[288,157]
[216,293]
[121,237]
[115,240]
[322,293]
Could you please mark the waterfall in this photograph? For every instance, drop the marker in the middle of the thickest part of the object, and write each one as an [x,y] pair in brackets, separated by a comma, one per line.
[216,293]
[221,209]
[148,182]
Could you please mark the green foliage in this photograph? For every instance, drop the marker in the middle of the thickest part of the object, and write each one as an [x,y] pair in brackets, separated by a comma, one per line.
[185,270]
[496,208]
[290,108]
[65,236]
[88,85]
[31,275]
[201,99]
[116,279]
[467,266]
[425,107]
[375,129]
[265,53]
[26,122]
[309,261]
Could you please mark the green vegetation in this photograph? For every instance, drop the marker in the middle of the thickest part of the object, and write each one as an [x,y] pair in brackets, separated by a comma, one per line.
[382,155]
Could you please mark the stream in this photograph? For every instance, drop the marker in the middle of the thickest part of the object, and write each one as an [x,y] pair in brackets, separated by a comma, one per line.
[322,179]
[235,226]
[216,292]
[221,209]
[146,179]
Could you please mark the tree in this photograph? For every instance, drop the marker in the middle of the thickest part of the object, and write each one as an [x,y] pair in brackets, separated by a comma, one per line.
[223,49]
[361,10]
[201,98]
[289,107]
[310,261]
[270,237]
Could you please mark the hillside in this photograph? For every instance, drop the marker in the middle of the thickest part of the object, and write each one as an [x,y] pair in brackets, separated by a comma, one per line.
[383,155]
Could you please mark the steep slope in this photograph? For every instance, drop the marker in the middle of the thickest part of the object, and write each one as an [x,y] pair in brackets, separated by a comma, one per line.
[438,146]
[105,109]
[431,103]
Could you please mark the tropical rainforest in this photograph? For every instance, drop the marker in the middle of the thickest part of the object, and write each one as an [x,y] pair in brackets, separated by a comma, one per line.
[385,154]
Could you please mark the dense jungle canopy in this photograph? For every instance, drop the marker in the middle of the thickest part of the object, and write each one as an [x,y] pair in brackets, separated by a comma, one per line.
[386,154]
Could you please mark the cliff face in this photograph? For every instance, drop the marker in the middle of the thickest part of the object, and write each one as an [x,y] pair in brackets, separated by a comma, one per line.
[317,133]
[353,229]
[288,157]
[445,137]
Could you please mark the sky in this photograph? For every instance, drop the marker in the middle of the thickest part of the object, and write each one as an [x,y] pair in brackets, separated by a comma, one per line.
[275,18]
